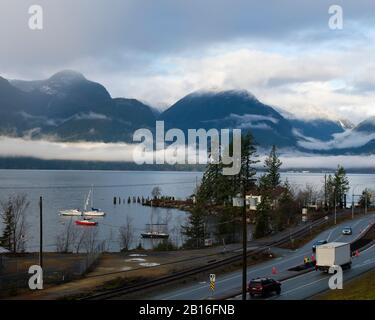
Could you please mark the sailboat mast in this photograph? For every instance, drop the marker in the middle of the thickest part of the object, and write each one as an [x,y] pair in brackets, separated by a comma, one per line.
[92,196]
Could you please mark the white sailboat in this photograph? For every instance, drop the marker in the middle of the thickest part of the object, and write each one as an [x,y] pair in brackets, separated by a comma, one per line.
[71,212]
[93,212]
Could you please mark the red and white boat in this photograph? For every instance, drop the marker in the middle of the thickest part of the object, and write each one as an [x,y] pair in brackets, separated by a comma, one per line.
[86,222]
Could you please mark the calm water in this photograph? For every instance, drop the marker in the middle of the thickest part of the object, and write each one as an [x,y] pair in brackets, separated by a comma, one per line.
[67,189]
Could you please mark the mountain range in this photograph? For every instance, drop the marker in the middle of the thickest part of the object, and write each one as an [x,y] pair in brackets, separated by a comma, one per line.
[69,107]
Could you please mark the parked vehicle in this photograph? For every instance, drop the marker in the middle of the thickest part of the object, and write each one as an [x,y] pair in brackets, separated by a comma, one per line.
[347,231]
[318,243]
[263,286]
[333,254]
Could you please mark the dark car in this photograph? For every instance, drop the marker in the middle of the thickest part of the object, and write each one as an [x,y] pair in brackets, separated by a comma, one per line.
[263,286]
[318,243]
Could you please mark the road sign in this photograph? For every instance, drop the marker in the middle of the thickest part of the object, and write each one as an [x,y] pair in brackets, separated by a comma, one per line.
[212,281]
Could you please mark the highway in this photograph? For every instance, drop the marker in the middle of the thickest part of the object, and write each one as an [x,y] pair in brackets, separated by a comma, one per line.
[300,287]
[310,284]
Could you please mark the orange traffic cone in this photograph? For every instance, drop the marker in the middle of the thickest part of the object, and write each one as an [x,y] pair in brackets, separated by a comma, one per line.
[274,271]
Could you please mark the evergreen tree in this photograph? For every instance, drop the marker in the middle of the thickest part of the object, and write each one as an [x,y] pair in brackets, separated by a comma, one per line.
[336,188]
[262,220]
[195,229]
[13,214]
[7,238]
[217,188]
[227,226]
[287,209]
[272,164]
[248,155]
[341,184]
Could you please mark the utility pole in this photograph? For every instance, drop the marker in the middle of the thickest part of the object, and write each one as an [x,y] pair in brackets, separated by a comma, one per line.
[353,203]
[325,191]
[240,201]
[335,206]
[244,258]
[41,232]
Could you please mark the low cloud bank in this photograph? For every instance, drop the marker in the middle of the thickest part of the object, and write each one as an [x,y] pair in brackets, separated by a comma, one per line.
[50,150]
[347,139]
[328,162]
[123,152]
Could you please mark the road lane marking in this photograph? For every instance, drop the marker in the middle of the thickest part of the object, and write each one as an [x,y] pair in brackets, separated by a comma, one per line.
[305,285]
[330,234]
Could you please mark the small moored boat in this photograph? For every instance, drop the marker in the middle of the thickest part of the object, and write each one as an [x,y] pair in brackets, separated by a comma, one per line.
[94,212]
[156,231]
[86,222]
[155,235]
[71,212]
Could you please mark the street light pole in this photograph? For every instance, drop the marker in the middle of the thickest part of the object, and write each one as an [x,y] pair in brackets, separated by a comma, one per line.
[244,253]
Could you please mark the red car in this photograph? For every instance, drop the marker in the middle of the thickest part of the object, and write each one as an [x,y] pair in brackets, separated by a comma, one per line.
[263,286]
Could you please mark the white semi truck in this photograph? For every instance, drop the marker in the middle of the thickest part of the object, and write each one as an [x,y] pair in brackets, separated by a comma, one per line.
[333,254]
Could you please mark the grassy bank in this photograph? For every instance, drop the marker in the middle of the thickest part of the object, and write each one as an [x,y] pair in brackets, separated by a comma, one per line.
[362,288]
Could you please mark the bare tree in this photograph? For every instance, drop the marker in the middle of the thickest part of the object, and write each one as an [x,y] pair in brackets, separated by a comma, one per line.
[79,242]
[13,214]
[309,195]
[156,192]
[126,234]
[65,241]
[90,239]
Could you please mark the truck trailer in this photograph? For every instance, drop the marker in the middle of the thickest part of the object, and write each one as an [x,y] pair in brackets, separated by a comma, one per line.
[333,254]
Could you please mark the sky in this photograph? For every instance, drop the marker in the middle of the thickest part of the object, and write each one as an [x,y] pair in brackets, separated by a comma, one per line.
[158,51]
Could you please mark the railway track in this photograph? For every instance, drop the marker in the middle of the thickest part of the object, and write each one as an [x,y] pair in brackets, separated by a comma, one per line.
[113,293]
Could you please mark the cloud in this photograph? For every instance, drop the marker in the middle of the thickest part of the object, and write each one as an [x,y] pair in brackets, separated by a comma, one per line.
[90,116]
[122,152]
[252,118]
[158,52]
[328,162]
[48,150]
[346,139]
[92,151]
